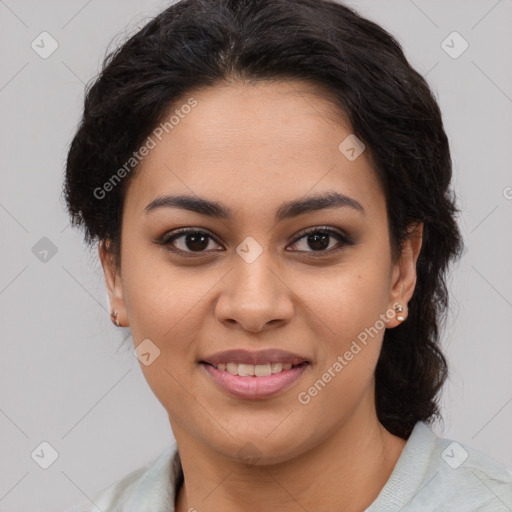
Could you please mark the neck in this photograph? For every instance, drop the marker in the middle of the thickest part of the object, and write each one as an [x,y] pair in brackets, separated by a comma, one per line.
[346,472]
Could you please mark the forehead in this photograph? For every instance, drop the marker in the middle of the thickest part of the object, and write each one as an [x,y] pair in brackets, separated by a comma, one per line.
[250,143]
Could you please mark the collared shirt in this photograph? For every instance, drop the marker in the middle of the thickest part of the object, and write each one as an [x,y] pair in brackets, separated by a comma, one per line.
[432,474]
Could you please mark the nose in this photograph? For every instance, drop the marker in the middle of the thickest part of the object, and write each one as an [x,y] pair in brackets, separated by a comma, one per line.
[254,296]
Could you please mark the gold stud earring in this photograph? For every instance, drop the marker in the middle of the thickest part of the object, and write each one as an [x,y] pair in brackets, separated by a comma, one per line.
[399,309]
[114,318]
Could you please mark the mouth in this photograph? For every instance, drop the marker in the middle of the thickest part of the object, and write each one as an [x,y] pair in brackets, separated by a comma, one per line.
[254,375]
[254,381]
[254,370]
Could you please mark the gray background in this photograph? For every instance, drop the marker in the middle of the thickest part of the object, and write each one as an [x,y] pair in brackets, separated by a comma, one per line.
[66,376]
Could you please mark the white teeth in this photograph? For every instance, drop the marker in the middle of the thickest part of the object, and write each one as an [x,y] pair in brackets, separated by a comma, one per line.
[262,370]
[245,370]
[251,370]
[277,367]
[232,368]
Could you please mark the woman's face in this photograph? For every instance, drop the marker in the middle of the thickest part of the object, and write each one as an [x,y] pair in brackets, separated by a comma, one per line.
[254,279]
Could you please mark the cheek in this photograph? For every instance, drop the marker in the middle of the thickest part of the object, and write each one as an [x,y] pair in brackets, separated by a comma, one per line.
[157,294]
[345,370]
[354,296]
[354,310]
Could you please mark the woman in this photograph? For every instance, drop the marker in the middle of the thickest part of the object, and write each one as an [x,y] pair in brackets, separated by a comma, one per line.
[269,186]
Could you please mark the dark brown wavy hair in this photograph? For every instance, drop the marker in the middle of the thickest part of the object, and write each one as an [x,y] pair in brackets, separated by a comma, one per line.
[201,43]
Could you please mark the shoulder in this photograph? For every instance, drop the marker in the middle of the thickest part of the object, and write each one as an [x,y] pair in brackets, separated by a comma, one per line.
[434,473]
[147,488]
[466,475]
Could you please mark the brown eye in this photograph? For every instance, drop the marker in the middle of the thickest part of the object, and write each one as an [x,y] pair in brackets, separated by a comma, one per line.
[194,242]
[318,240]
[187,241]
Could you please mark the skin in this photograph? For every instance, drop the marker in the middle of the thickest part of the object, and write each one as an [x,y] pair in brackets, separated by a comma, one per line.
[252,148]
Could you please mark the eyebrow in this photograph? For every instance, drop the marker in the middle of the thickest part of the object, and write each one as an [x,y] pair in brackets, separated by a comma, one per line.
[286,210]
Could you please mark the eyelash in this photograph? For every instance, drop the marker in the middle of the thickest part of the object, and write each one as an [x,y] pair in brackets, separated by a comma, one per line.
[167,240]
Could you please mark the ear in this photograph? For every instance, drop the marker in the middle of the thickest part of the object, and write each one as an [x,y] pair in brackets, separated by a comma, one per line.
[113,282]
[403,280]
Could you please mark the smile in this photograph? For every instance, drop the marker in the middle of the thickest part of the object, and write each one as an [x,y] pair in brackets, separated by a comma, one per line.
[253,370]
[258,381]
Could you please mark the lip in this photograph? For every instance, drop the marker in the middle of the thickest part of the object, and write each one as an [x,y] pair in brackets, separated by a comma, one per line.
[241,356]
[255,388]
